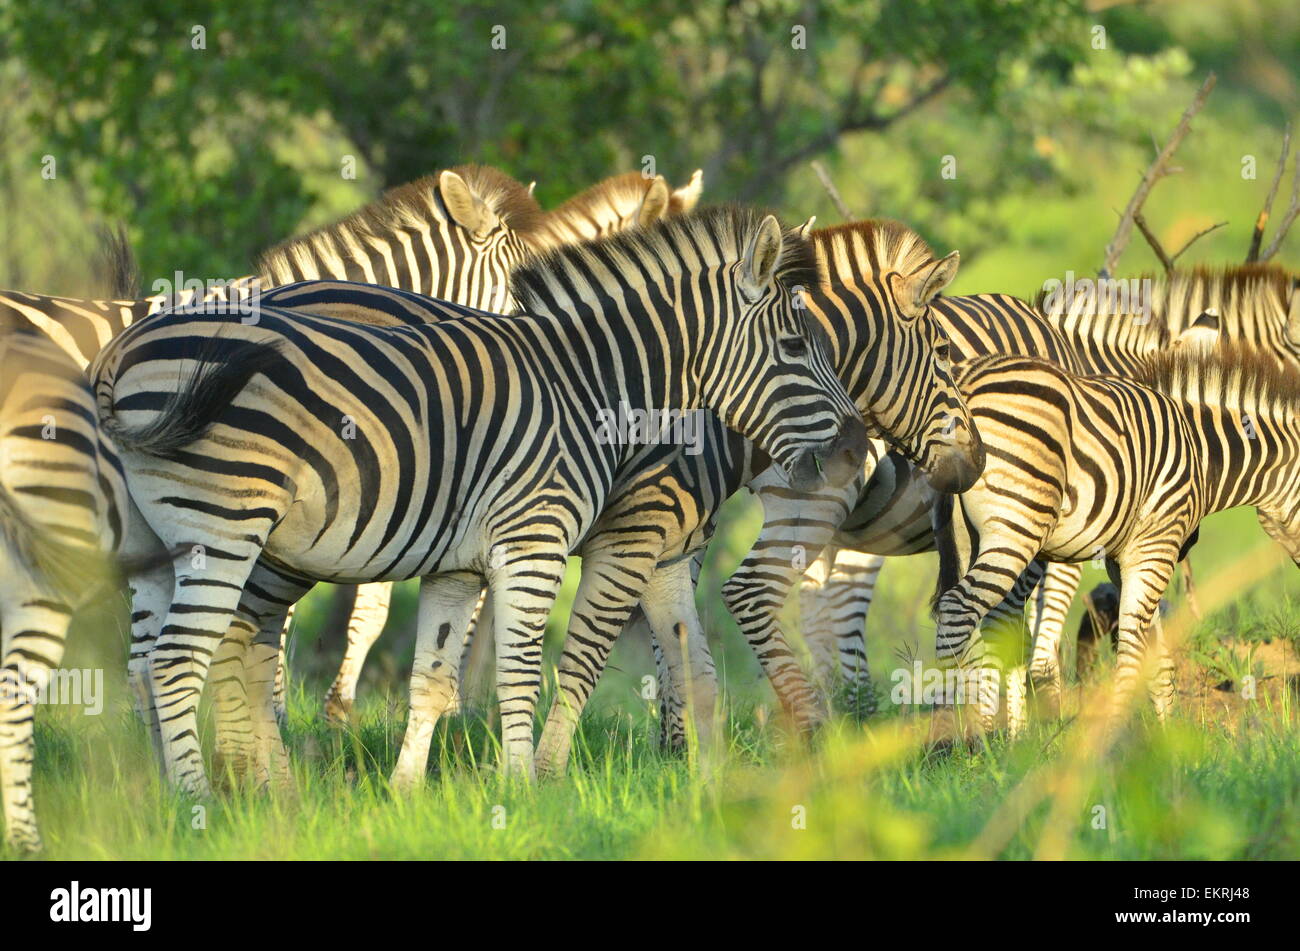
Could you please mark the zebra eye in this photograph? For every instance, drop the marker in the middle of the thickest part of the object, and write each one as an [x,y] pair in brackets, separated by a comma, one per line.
[794,347]
[941,356]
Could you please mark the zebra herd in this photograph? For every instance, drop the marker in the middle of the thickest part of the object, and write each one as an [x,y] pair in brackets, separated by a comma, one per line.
[413,392]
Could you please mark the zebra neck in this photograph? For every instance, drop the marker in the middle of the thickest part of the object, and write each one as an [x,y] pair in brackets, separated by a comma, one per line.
[1110,343]
[625,366]
[1248,455]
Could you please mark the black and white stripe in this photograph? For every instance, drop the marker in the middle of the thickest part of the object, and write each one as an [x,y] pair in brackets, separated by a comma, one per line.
[62,505]
[459,447]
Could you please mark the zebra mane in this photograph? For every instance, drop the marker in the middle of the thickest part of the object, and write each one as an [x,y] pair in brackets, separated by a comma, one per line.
[1251,290]
[1231,374]
[622,191]
[888,245]
[413,205]
[673,245]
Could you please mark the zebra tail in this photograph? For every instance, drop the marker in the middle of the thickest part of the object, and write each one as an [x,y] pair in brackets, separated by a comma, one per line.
[118,263]
[221,375]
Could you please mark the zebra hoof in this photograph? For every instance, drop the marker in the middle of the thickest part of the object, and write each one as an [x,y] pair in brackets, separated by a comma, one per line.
[338,711]
[24,838]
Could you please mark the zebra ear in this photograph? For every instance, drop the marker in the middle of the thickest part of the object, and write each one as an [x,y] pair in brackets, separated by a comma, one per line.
[761,257]
[466,208]
[805,229]
[914,293]
[685,199]
[531,186]
[1203,332]
[654,203]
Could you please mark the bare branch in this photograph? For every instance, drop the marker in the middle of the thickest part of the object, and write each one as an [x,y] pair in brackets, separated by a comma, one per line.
[1261,222]
[1157,170]
[1287,220]
[831,190]
[1197,237]
[1165,260]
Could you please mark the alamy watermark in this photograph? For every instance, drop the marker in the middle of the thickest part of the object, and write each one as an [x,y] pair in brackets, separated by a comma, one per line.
[241,297]
[934,685]
[629,426]
[80,686]
[1099,296]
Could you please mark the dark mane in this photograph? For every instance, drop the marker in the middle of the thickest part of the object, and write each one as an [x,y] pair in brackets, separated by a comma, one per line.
[1231,373]
[418,202]
[717,235]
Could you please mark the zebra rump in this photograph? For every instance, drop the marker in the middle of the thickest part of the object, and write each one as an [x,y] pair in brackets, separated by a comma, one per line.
[223,369]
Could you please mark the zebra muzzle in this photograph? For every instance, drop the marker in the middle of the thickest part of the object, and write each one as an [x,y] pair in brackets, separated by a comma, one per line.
[835,463]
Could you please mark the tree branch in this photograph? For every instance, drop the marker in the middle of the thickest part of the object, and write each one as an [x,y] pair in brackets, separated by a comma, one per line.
[1157,170]
[1261,221]
[831,190]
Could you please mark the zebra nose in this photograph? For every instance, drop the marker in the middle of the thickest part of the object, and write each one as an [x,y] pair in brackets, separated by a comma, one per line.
[842,459]
[958,468]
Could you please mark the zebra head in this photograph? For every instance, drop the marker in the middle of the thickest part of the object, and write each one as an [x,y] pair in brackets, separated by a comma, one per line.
[937,429]
[771,379]
[456,236]
[879,279]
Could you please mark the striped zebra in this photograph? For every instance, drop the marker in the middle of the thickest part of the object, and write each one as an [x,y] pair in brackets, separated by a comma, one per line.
[62,504]
[1256,304]
[1244,303]
[615,204]
[459,447]
[871,303]
[1081,465]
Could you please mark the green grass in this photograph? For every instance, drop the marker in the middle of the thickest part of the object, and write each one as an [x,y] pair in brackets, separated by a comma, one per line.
[1221,781]
[1197,789]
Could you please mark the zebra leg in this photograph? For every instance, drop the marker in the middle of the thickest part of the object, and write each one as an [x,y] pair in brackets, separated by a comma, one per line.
[1145,572]
[204,600]
[369,615]
[815,626]
[847,594]
[1005,632]
[998,563]
[446,603]
[269,596]
[602,606]
[234,745]
[1161,685]
[1047,611]
[475,680]
[671,701]
[669,605]
[796,527]
[151,594]
[282,670]
[523,592]
[35,625]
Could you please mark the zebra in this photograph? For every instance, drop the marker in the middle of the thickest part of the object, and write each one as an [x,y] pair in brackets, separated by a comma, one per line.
[457,447]
[1257,304]
[614,204]
[630,200]
[1086,465]
[63,502]
[871,302]
[1243,303]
